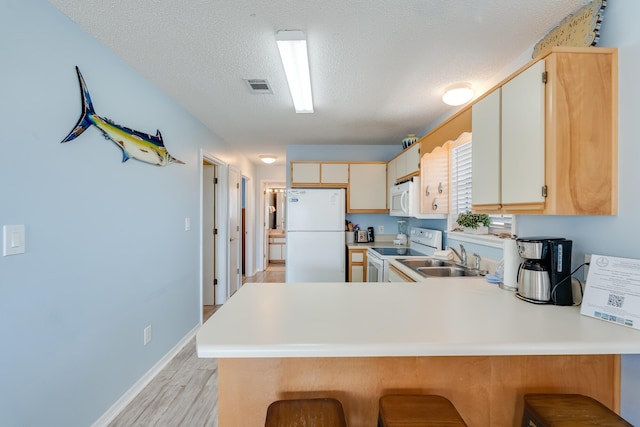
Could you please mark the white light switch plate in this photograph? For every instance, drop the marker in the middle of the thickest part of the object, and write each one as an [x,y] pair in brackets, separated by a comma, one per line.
[13,240]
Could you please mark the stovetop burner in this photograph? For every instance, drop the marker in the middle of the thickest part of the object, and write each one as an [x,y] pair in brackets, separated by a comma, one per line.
[398,252]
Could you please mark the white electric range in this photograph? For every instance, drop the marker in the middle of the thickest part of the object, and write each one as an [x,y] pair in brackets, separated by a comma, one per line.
[422,242]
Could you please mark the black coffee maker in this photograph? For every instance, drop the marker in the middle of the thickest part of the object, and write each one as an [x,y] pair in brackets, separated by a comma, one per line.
[545,275]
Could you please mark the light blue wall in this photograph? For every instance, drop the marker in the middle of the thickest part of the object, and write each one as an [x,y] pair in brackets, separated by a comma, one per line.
[354,153]
[106,250]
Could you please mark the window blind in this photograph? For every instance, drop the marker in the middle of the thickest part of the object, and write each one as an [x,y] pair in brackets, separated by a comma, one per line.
[461,175]
[460,197]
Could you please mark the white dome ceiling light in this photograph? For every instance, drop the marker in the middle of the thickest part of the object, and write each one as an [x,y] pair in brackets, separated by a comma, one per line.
[457,94]
[268,158]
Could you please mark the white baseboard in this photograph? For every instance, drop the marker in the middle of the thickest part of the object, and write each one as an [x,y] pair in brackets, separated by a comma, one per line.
[130,394]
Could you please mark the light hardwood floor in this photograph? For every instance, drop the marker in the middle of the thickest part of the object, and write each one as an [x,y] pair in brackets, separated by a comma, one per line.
[185,392]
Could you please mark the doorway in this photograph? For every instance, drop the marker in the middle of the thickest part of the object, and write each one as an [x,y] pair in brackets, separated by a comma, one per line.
[274,226]
[235,240]
[213,235]
[209,232]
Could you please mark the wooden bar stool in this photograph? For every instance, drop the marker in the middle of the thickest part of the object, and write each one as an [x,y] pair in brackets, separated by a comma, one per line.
[417,410]
[567,410]
[322,412]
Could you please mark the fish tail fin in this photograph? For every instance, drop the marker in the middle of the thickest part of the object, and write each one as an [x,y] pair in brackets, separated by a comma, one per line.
[84,122]
[174,160]
[170,158]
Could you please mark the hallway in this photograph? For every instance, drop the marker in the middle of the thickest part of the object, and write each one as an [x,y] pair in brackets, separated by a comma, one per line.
[275,273]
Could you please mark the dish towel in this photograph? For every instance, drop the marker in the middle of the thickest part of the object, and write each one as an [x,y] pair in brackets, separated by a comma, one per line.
[446,254]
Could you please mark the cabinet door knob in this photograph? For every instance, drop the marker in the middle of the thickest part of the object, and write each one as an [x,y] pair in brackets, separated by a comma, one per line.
[440,188]
[428,192]
[435,204]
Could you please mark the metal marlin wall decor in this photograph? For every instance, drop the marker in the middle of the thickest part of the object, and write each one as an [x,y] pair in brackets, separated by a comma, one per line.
[139,145]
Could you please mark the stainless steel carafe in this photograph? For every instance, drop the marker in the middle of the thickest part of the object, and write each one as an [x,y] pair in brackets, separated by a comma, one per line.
[533,281]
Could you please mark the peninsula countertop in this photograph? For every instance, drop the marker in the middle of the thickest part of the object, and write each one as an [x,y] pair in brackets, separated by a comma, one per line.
[438,317]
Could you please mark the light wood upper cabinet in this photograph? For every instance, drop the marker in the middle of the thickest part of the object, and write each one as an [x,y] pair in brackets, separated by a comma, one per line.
[558,137]
[407,163]
[366,182]
[486,181]
[367,188]
[508,143]
[523,124]
[319,174]
[334,173]
[434,181]
[305,173]
[391,173]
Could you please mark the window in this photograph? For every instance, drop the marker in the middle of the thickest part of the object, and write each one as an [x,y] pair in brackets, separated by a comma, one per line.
[460,179]
[460,196]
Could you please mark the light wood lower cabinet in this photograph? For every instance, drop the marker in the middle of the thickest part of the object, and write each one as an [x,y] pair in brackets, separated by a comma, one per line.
[357,265]
[396,275]
[277,250]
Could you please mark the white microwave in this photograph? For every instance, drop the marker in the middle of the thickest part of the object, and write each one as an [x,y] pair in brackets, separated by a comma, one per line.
[402,198]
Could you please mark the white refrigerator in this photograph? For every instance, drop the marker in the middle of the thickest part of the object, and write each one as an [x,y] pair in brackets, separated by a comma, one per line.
[315,235]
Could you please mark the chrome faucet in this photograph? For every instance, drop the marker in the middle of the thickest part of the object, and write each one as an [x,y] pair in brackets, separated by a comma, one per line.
[478,259]
[462,256]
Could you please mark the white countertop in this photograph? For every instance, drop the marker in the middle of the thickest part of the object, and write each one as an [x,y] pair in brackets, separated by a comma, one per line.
[438,317]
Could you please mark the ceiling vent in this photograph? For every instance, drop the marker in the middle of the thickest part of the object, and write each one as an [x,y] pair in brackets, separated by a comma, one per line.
[258,86]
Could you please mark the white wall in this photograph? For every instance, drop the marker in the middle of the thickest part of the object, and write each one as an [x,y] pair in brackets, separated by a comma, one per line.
[107,253]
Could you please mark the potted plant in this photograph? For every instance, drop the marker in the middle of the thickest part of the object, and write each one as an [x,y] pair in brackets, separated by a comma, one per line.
[474,223]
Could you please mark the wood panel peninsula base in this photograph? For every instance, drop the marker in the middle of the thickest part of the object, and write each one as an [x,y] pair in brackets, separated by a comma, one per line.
[486,390]
[470,341]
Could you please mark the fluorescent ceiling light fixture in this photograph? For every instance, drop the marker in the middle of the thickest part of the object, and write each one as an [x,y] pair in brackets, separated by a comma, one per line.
[458,94]
[293,52]
[268,158]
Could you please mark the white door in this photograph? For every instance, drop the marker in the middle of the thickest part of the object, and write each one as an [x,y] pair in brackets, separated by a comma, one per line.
[208,236]
[235,275]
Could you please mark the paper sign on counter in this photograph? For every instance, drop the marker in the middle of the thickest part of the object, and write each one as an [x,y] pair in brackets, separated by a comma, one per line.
[612,292]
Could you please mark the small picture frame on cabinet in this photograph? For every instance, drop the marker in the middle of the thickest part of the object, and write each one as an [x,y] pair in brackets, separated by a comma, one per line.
[362,236]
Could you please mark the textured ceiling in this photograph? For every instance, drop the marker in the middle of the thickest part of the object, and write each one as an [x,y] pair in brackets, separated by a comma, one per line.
[378,67]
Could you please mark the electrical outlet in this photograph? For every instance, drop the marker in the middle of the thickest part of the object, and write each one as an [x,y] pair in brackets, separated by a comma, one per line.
[147,335]
[587,258]
[381,229]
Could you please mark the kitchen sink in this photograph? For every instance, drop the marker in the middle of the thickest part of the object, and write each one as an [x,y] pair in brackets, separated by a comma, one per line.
[430,267]
[425,263]
[447,272]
